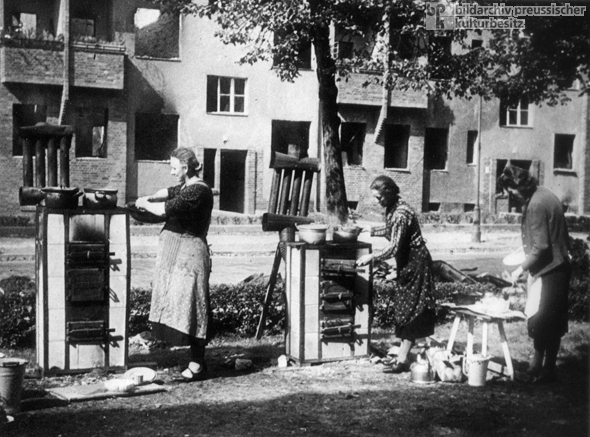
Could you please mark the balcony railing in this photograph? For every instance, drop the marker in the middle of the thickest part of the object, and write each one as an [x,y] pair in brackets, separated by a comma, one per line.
[365,89]
[40,62]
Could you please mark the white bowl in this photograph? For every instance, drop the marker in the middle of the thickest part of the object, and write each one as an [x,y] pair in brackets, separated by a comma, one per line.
[312,234]
[515,258]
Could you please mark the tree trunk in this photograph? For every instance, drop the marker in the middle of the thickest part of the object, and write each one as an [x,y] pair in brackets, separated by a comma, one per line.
[336,202]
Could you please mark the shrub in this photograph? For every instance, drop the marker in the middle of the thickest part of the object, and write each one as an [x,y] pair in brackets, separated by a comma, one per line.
[235,309]
[15,220]
[17,312]
[139,310]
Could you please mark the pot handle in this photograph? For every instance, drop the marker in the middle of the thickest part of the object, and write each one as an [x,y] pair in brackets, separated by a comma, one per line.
[78,194]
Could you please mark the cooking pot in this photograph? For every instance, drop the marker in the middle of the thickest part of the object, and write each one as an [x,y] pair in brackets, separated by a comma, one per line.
[61,197]
[313,233]
[347,233]
[105,198]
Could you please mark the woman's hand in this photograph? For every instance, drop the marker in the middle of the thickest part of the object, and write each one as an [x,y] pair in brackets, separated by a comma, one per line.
[364,260]
[516,274]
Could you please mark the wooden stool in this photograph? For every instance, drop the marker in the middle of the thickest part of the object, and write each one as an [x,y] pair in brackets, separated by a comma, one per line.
[486,320]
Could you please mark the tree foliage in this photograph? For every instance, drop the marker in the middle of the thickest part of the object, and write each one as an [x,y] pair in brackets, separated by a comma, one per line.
[539,64]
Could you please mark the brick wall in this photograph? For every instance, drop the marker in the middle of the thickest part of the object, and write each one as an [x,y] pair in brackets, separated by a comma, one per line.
[92,69]
[84,172]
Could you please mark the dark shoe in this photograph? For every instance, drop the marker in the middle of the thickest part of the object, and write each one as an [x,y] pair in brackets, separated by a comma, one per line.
[546,377]
[397,367]
[194,372]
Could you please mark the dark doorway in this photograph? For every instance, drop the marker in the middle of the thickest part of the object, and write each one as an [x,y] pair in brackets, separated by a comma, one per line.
[232,180]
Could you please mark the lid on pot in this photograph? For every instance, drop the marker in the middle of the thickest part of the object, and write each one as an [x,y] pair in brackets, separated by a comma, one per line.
[60,189]
[101,190]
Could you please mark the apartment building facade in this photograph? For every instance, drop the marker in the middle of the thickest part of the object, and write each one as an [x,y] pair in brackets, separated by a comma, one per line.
[142,84]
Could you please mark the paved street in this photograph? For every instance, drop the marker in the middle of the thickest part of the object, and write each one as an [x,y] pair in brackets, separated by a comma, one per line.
[240,253]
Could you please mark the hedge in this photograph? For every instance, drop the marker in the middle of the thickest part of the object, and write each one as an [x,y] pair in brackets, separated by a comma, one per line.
[236,308]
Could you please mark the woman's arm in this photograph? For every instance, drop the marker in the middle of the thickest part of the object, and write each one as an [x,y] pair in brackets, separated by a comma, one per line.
[160,196]
[154,203]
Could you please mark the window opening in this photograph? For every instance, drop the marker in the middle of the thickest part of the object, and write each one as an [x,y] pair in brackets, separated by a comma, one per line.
[397,138]
[290,137]
[515,114]
[471,145]
[284,54]
[352,138]
[90,130]
[156,136]
[563,151]
[226,95]
[156,34]
[435,148]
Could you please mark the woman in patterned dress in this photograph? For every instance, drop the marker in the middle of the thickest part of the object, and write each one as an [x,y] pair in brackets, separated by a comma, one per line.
[180,308]
[412,291]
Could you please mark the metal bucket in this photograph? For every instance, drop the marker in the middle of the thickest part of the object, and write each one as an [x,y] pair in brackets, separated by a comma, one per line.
[12,375]
[476,369]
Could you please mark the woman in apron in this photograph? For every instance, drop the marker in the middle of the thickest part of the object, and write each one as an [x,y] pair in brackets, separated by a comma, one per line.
[180,308]
[546,242]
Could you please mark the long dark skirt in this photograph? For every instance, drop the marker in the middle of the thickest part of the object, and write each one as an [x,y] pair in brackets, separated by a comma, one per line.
[551,320]
[412,294]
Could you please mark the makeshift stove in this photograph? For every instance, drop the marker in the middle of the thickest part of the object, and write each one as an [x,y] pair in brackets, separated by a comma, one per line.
[328,302]
[82,270]
[82,262]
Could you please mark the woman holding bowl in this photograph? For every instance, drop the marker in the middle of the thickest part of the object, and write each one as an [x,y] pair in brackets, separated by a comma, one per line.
[180,308]
[413,290]
[545,241]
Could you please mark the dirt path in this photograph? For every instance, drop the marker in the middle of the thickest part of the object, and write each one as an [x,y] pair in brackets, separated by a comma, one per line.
[349,398]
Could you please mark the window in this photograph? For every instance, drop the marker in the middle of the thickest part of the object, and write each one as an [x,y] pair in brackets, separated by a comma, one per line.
[435,148]
[563,150]
[290,137]
[90,130]
[468,207]
[471,145]
[156,136]
[397,138]
[439,57]
[156,34]
[22,116]
[352,138]
[517,115]
[226,95]
[344,49]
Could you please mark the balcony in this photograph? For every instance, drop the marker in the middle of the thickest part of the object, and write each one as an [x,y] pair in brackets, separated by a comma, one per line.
[364,89]
[40,62]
